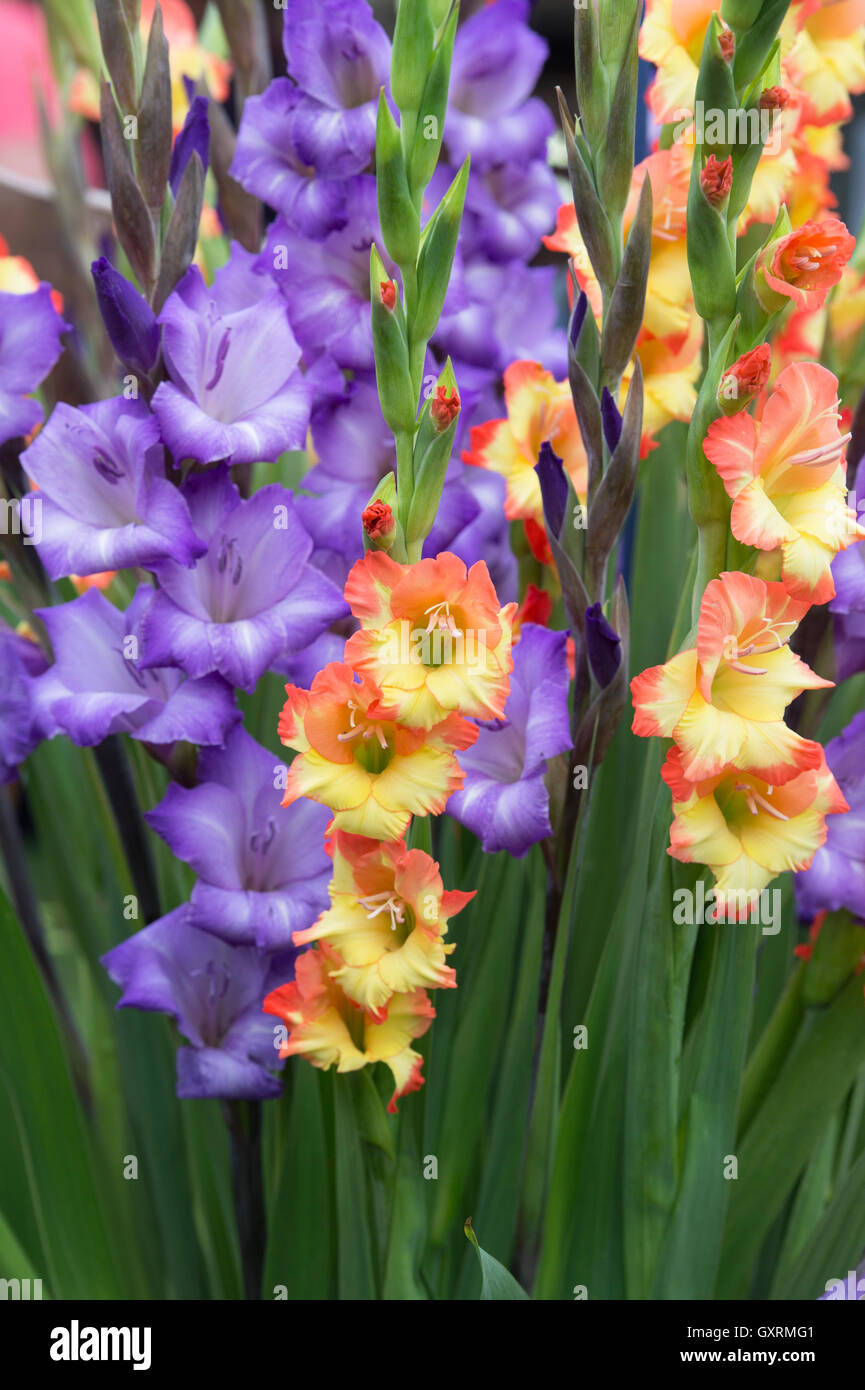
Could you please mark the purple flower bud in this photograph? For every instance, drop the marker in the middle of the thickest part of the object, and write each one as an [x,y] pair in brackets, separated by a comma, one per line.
[611,420]
[129,320]
[554,488]
[194,138]
[603,646]
[578,318]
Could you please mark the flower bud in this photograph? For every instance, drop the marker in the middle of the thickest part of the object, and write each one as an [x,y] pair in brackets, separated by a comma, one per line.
[727,44]
[387,291]
[716,180]
[603,646]
[444,407]
[129,320]
[378,522]
[775,99]
[745,379]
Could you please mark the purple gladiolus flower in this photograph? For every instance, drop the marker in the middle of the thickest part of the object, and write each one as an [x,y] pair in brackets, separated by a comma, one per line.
[603,646]
[194,138]
[509,312]
[20,661]
[214,993]
[491,114]
[848,605]
[504,799]
[338,55]
[97,685]
[30,330]
[509,208]
[276,160]
[836,877]
[263,870]
[105,501]
[326,282]
[251,599]
[129,320]
[235,392]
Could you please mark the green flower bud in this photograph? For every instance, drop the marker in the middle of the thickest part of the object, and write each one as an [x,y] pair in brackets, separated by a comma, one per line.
[431,111]
[438,244]
[398,401]
[412,50]
[432,451]
[396,211]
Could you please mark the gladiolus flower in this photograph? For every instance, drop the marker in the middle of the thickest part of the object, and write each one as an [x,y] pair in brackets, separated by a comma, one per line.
[388,919]
[358,759]
[432,637]
[723,701]
[387,290]
[540,410]
[748,830]
[786,475]
[806,263]
[329,1030]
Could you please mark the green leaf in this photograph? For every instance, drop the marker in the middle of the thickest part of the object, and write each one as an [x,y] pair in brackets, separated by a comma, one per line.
[835,1244]
[496,1281]
[819,1071]
[52,1175]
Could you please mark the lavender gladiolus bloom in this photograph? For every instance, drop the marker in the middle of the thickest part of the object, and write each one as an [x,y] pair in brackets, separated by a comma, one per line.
[326,282]
[338,55]
[97,686]
[30,330]
[276,161]
[848,605]
[504,799]
[129,320]
[235,392]
[491,114]
[251,599]
[836,877]
[603,646]
[263,870]
[214,993]
[20,661]
[105,501]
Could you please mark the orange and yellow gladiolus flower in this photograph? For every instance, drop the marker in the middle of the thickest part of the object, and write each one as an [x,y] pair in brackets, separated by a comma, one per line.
[539,410]
[747,829]
[328,1029]
[432,637]
[356,757]
[388,920]
[786,475]
[723,701]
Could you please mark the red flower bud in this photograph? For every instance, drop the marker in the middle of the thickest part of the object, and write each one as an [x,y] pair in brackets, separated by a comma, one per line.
[377,520]
[716,180]
[727,44]
[775,99]
[387,289]
[444,408]
[746,378]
